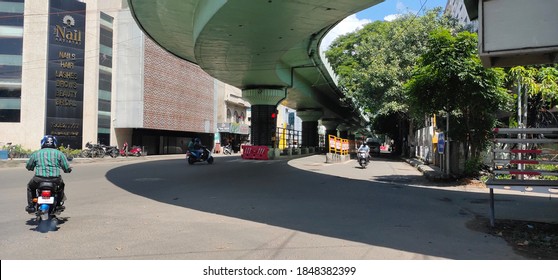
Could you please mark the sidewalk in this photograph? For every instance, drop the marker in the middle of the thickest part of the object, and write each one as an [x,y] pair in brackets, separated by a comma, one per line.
[431,172]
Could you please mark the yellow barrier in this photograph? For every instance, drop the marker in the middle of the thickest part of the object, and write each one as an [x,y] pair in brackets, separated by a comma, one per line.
[338,145]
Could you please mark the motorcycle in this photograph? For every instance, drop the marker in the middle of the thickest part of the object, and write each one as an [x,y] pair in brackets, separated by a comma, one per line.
[200,156]
[227,150]
[46,206]
[112,151]
[363,158]
[135,151]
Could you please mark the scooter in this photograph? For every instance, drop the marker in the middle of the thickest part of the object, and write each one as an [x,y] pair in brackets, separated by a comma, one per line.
[199,156]
[363,158]
[135,151]
[227,150]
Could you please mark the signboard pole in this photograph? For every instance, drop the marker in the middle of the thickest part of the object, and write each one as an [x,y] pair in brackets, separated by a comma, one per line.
[447,145]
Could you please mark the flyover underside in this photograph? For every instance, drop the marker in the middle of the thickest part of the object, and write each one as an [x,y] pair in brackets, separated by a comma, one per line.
[255,44]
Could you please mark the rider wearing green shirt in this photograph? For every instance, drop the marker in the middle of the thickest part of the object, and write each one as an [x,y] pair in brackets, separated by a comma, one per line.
[47,163]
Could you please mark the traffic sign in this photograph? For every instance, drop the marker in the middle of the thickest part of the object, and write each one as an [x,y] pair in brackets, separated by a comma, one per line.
[441,143]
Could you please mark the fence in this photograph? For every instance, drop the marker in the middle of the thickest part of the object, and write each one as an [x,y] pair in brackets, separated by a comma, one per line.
[524,159]
[289,138]
[338,145]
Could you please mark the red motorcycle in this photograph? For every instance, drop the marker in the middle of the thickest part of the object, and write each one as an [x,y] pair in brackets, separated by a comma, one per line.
[134,151]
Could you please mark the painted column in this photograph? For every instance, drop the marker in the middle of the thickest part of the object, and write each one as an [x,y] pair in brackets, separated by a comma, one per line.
[310,117]
[264,118]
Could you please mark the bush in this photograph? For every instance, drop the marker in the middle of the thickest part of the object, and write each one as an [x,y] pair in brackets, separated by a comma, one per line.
[473,167]
[70,153]
[17,151]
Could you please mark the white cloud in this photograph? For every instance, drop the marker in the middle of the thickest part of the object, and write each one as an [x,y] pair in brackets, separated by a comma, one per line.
[391,17]
[349,24]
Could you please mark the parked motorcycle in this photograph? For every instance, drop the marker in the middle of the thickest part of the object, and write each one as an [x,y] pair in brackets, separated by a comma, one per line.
[134,151]
[45,204]
[227,150]
[112,151]
[199,156]
[363,158]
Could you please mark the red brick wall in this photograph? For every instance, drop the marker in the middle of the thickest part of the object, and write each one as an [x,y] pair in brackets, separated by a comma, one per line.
[178,94]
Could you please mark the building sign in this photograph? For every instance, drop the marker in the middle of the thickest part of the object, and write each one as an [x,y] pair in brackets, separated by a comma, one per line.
[237,128]
[66,44]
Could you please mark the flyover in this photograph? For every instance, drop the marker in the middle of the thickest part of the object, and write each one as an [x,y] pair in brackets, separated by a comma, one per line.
[267,48]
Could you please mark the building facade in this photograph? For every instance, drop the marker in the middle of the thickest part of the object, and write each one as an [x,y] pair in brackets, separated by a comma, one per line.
[84,72]
[456,8]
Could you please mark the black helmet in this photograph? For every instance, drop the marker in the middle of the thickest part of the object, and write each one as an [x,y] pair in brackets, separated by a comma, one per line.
[49,141]
[197,140]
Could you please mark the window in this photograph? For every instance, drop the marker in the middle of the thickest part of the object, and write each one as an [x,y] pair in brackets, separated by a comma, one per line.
[105,79]
[11,48]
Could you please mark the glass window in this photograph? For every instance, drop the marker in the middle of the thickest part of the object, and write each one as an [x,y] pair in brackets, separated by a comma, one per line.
[105,78]
[9,74]
[104,105]
[9,19]
[11,47]
[7,115]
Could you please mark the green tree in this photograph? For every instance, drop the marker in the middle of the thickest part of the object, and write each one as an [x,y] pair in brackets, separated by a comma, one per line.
[450,78]
[540,83]
[374,62]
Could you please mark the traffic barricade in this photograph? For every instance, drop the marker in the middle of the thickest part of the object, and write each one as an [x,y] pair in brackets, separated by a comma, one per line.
[255,152]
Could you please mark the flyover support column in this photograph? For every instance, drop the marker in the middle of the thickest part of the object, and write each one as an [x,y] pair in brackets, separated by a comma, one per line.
[343,130]
[264,105]
[331,129]
[310,136]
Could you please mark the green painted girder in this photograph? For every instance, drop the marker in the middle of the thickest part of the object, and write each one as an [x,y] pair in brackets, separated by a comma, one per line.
[255,43]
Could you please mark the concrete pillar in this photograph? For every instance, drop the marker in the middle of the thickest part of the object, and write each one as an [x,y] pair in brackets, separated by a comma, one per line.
[331,129]
[264,104]
[310,117]
[343,129]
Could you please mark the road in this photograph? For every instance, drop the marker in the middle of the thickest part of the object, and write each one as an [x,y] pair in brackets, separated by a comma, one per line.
[161,208]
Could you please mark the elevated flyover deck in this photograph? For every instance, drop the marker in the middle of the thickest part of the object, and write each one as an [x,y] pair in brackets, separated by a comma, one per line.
[267,48]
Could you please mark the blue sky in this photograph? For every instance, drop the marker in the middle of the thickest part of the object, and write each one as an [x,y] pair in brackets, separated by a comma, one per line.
[387,10]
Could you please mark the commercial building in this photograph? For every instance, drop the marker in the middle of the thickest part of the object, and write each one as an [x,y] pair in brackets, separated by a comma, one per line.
[457,9]
[84,72]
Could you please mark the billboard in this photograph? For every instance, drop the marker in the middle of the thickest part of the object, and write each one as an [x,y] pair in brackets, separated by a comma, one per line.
[517,32]
[66,50]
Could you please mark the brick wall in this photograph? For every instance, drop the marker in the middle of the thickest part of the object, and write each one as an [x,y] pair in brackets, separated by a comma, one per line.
[178,94]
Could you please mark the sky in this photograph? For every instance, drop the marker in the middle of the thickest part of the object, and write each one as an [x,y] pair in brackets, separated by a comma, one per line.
[387,10]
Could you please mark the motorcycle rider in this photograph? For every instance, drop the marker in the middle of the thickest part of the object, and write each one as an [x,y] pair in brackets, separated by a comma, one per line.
[47,163]
[195,147]
[364,148]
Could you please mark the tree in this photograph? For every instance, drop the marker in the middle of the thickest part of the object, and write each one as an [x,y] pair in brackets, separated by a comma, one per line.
[540,83]
[374,62]
[450,78]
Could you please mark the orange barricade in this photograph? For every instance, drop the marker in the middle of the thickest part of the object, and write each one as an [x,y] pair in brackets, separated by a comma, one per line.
[255,152]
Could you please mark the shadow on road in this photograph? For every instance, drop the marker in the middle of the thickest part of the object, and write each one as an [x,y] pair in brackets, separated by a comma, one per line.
[386,212]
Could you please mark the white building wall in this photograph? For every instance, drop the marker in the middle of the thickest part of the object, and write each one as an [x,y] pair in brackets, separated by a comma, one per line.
[31,129]
[127,84]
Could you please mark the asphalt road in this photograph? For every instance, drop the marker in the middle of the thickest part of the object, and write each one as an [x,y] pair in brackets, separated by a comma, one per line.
[161,208]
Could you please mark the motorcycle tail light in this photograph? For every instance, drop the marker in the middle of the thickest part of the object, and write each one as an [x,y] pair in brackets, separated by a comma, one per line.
[35,200]
[45,193]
